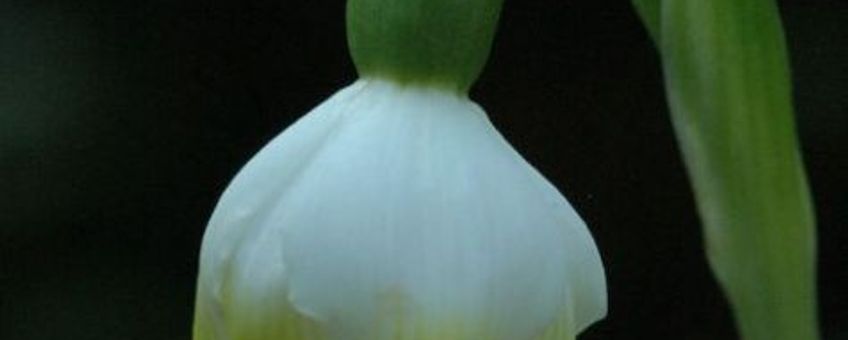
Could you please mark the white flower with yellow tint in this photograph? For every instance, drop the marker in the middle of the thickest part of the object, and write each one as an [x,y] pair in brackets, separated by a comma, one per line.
[395,211]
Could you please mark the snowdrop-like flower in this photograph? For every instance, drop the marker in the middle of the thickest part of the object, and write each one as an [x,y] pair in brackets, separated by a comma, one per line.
[395,211]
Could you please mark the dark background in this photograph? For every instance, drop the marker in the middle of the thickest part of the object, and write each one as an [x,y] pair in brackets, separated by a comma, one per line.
[121,123]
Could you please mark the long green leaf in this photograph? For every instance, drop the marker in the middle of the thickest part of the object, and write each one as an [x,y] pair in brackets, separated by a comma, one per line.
[729,92]
[649,11]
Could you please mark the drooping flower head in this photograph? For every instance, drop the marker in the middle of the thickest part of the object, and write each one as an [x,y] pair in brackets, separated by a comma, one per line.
[395,211]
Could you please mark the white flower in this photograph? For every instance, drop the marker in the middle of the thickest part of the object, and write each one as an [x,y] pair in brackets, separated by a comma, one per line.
[395,212]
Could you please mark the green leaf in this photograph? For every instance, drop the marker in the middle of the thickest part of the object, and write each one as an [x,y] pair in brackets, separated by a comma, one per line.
[729,92]
[649,11]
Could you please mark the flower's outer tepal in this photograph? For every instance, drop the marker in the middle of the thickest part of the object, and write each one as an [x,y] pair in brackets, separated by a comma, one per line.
[395,211]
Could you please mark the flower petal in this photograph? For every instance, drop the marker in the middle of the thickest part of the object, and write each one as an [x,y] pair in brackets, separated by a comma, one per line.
[241,291]
[420,205]
[395,212]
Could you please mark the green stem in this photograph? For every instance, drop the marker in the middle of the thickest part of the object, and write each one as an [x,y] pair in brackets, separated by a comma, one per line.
[442,43]
[729,92]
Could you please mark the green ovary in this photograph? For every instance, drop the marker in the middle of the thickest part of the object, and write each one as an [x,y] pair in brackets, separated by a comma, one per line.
[440,43]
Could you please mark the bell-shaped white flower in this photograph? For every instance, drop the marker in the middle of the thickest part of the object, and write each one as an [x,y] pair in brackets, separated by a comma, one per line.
[395,211]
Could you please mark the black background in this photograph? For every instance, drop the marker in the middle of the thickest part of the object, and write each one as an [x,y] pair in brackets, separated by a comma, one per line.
[121,123]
